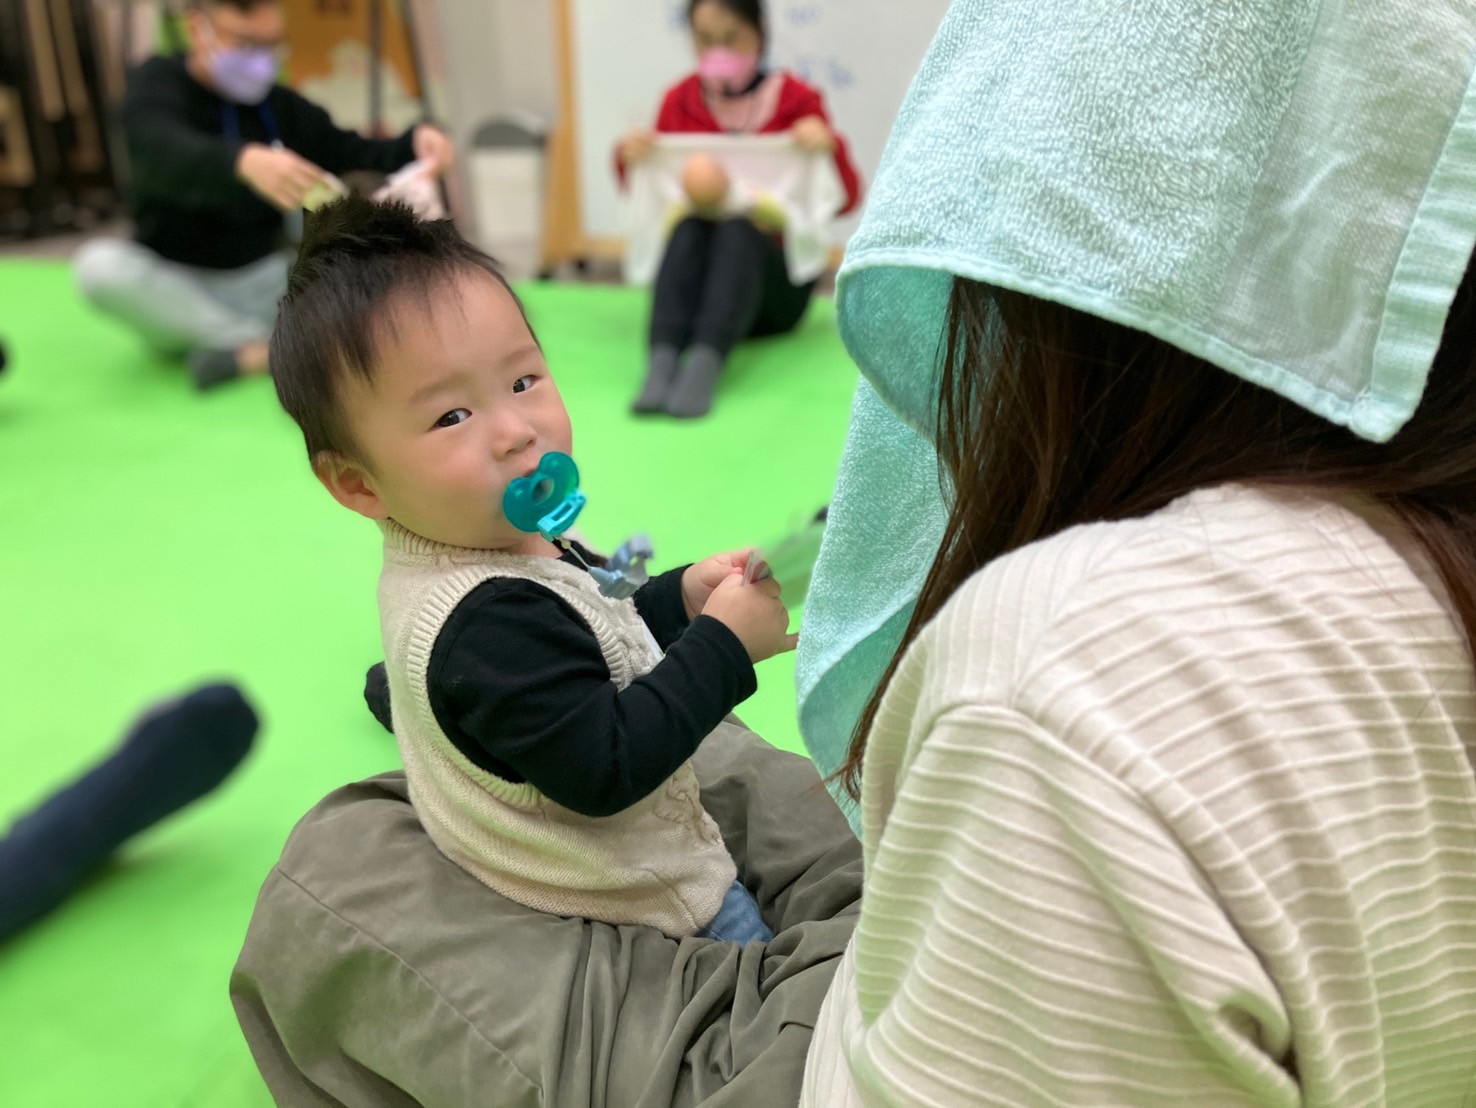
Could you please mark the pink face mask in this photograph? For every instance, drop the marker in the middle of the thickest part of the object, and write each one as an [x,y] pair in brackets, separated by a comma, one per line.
[724,70]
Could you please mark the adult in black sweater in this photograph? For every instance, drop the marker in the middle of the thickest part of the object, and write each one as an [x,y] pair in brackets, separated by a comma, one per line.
[218,153]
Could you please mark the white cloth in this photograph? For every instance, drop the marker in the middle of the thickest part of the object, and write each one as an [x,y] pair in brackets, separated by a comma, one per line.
[1176,810]
[661,862]
[416,186]
[805,186]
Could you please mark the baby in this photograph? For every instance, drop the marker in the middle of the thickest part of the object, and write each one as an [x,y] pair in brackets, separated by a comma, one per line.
[545,734]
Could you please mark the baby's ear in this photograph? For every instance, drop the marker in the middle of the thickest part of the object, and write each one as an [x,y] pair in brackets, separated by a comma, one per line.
[349,483]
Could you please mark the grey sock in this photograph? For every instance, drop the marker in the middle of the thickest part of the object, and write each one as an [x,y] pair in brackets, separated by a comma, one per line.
[692,396]
[213,367]
[661,371]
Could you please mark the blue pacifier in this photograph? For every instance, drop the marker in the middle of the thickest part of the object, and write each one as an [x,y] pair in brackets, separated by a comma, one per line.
[548,500]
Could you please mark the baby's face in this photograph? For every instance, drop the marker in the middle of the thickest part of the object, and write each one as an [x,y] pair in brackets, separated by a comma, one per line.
[461,405]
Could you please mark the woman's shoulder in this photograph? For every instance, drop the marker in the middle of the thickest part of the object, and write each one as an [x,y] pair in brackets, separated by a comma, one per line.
[1235,559]
[793,87]
[159,72]
[1201,537]
[689,87]
[680,100]
[1232,614]
[686,96]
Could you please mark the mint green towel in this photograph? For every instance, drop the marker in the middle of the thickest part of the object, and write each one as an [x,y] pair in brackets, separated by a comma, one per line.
[1286,188]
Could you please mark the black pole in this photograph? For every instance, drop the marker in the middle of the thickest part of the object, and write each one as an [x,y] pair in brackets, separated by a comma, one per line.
[376,56]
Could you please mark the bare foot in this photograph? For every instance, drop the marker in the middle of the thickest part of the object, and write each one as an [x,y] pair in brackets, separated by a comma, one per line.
[251,359]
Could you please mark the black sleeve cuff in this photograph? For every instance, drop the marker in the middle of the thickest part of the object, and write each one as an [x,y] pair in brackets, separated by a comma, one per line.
[377,695]
[230,154]
[660,603]
[403,149]
[724,652]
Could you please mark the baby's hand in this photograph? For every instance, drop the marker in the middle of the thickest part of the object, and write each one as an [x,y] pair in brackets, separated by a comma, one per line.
[702,577]
[754,613]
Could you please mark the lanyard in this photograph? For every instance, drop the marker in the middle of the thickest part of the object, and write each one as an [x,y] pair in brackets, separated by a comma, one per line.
[230,117]
[231,120]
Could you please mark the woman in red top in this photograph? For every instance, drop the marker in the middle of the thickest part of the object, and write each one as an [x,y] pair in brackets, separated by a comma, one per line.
[724,279]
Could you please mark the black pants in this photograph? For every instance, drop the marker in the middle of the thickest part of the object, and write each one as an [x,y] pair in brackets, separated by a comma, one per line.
[174,755]
[721,283]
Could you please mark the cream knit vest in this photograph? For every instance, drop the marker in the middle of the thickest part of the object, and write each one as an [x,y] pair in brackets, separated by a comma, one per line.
[660,862]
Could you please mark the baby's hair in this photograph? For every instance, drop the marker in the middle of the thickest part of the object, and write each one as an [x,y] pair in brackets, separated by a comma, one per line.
[358,257]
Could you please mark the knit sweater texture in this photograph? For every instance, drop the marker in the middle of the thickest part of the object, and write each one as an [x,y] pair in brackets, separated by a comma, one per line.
[660,862]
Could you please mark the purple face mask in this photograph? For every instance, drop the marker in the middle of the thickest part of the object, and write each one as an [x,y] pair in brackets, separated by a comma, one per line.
[243,74]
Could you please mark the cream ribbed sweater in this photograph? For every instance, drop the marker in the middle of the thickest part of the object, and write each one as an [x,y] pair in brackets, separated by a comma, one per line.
[660,862]
[1173,811]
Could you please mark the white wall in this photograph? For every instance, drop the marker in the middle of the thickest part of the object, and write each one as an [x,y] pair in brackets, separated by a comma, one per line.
[501,56]
[861,54]
[483,57]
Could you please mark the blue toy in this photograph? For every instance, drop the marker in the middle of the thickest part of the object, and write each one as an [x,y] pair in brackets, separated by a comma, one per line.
[548,501]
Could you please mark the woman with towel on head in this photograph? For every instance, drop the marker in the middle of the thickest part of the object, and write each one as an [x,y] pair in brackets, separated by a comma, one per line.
[723,277]
[1166,787]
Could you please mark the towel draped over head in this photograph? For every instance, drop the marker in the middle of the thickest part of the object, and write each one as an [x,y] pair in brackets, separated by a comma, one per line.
[1285,188]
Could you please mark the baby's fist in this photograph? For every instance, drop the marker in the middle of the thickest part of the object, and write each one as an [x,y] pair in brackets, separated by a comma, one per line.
[702,577]
[754,613]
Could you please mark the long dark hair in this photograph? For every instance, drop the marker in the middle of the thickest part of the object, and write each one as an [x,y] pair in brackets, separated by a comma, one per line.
[1049,417]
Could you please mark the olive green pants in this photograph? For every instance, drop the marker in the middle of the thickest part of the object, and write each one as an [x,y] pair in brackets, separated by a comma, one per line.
[376,972]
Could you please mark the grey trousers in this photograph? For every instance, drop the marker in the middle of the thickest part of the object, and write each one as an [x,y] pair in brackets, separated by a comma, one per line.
[179,308]
[378,974]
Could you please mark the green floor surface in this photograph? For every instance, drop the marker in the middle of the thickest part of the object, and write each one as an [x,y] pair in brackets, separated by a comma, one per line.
[154,538]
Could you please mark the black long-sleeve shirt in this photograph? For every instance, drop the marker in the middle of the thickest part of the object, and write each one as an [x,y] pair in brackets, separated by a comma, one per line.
[519,685]
[183,143]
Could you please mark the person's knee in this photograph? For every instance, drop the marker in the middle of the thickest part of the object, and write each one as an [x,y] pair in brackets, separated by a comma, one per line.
[687,250]
[739,227]
[105,265]
[738,237]
[692,229]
